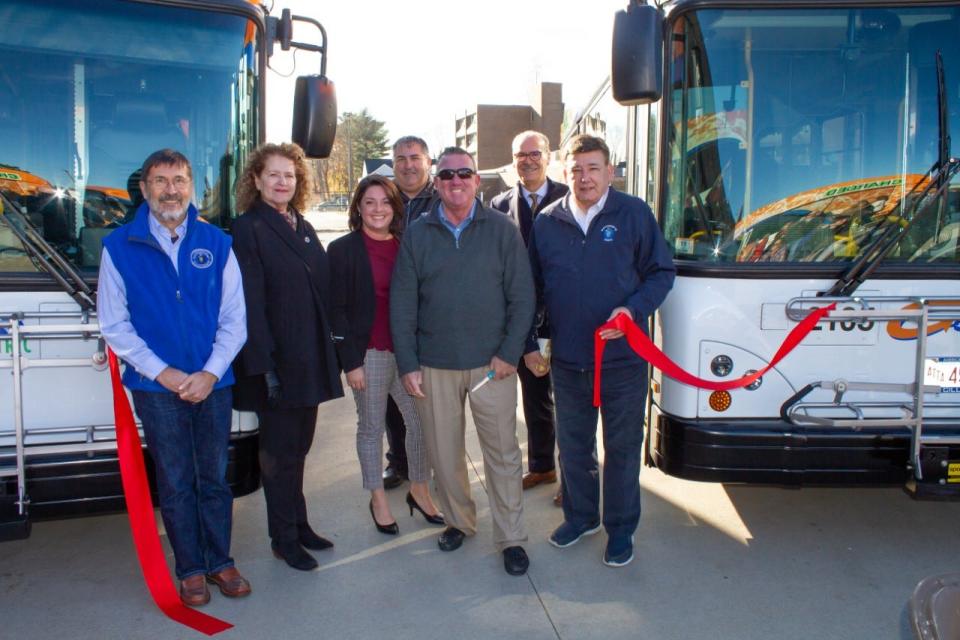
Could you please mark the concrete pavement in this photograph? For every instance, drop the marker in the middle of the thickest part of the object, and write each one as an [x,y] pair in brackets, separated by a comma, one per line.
[712,562]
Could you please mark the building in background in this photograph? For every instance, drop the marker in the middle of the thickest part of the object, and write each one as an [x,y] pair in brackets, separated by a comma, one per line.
[488,131]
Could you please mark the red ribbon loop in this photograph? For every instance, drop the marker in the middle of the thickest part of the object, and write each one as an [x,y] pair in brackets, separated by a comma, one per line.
[645,348]
[143,524]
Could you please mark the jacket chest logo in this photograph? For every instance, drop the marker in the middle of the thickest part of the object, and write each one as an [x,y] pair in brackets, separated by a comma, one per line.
[608,233]
[201,258]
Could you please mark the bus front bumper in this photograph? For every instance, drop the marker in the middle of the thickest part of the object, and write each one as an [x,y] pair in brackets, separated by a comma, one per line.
[775,452]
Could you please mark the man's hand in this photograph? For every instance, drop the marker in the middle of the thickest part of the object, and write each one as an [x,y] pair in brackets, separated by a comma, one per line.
[501,369]
[413,383]
[536,363]
[171,379]
[613,334]
[197,386]
[357,379]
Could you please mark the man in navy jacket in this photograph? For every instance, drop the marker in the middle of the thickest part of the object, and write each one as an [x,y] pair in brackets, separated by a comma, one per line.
[597,253]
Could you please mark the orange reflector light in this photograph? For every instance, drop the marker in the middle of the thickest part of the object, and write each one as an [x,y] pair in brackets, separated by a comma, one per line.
[720,400]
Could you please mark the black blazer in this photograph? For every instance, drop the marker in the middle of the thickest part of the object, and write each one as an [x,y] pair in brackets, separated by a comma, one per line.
[354,301]
[286,283]
[516,206]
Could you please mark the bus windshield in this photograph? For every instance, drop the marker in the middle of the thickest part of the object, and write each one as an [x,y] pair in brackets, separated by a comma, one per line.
[799,135]
[81,108]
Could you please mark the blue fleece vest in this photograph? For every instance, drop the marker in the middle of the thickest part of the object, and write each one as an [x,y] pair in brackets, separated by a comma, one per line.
[177,315]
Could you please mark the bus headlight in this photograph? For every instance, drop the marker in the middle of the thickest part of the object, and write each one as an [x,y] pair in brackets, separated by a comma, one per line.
[753,386]
[721,366]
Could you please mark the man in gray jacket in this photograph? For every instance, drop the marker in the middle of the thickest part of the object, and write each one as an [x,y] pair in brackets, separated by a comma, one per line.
[461,305]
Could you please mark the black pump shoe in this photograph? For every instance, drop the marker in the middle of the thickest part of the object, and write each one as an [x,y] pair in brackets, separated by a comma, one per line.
[412,503]
[294,555]
[390,529]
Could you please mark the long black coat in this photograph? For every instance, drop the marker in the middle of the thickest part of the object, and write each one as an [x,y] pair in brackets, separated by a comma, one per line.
[286,283]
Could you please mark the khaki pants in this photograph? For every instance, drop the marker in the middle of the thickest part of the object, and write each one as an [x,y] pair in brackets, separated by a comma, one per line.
[442,418]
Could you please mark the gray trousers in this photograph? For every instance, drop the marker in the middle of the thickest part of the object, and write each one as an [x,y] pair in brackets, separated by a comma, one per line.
[380,371]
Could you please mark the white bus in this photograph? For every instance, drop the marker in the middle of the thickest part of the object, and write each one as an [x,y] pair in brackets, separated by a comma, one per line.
[87,91]
[798,153]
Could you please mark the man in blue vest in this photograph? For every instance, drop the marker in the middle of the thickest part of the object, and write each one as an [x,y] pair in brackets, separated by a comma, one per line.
[170,305]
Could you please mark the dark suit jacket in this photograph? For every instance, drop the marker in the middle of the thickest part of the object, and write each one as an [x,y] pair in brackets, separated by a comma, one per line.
[354,301]
[286,283]
[516,206]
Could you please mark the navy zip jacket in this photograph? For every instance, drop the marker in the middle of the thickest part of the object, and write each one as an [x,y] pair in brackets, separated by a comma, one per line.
[622,261]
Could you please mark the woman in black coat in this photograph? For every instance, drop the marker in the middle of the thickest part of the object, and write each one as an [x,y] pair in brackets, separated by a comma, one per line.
[288,364]
[362,265]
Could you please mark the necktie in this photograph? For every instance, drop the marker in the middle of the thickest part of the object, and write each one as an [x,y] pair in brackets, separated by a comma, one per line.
[533,202]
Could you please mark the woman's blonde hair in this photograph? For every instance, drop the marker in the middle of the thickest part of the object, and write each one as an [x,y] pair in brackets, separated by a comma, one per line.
[247,192]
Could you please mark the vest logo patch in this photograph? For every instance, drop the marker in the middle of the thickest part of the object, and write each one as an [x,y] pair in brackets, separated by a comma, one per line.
[201,258]
[608,233]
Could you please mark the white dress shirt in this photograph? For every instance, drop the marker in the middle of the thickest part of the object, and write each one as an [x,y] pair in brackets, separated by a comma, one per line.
[541,194]
[114,317]
[584,218]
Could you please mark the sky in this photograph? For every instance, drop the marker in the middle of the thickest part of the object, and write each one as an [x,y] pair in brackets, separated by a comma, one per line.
[417,65]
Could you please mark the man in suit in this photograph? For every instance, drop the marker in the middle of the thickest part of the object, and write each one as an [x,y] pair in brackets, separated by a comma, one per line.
[534,191]
[461,307]
[411,174]
[171,306]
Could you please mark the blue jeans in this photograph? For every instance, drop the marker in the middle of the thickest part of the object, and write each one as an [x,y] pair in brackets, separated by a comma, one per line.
[622,397]
[188,443]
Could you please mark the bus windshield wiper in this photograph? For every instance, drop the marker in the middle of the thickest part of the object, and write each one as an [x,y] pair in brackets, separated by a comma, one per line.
[935,181]
[47,257]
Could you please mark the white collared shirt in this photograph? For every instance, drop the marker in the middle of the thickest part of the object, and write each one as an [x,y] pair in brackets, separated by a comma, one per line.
[585,218]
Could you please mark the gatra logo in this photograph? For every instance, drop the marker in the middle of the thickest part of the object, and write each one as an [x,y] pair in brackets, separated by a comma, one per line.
[201,258]
[608,233]
[898,331]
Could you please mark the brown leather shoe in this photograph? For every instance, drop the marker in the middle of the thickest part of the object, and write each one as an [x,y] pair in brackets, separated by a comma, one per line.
[194,592]
[533,478]
[231,583]
[558,497]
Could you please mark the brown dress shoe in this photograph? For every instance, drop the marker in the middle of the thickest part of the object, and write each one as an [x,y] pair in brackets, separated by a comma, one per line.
[231,583]
[194,592]
[533,478]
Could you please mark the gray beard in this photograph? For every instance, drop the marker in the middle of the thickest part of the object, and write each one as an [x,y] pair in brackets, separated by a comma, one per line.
[172,216]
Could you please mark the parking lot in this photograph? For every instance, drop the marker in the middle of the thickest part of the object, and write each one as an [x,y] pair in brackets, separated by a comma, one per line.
[713,561]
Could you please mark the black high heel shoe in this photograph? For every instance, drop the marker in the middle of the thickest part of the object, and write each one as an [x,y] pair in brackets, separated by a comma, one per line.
[412,503]
[390,529]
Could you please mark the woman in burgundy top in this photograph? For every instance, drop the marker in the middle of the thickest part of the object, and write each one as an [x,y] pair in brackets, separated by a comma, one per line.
[361,264]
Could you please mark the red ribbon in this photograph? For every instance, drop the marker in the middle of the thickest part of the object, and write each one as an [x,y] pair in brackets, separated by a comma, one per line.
[143,524]
[645,348]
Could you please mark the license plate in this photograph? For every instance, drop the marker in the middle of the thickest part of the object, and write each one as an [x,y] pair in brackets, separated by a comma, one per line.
[943,373]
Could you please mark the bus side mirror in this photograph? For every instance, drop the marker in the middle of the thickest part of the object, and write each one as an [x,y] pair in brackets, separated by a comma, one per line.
[637,69]
[315,115]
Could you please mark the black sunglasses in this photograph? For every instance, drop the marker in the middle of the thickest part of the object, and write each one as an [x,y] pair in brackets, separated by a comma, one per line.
[463,174]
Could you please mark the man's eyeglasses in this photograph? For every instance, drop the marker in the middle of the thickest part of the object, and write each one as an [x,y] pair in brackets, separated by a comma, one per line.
[533,155]
[163,182]
[464,174]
